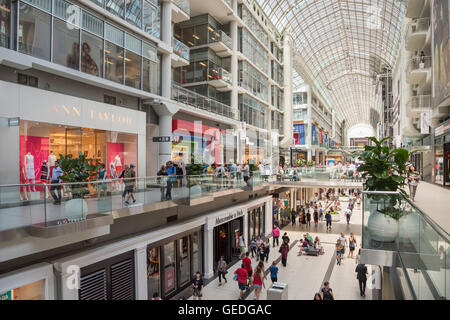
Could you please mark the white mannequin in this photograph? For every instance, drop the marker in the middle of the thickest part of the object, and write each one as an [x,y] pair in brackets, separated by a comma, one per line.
[117,161]
[29,169]
[51,159]
[112,170]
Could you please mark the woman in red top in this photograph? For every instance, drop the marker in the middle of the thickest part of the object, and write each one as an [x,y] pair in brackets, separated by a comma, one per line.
[258,282]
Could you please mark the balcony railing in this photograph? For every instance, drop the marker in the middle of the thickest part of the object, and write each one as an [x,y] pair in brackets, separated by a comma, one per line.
[180,48]
[392,223]
[194,99]
[183,5]
[419,63]
[416,26]
[222,36]
[420,102]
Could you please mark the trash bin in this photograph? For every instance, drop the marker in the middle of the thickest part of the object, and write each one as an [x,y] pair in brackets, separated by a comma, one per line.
[277,291]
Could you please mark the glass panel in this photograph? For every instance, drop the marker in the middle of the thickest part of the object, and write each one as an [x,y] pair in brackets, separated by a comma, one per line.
[153,274]
[116,7]
[114,35]
[150,76]
[169,267]
[92,24]
[34,32]
[5,16]
[133,70]
[196,253]
[184,259]
[113,62]
[66,44]
[151,22]
[134,12]
[41,4]
[91,54]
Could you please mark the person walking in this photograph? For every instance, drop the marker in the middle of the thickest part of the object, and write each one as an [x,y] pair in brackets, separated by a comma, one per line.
[351,245]
[248,265]
[308,218]
[55,183]
[162,181]
[130,183]
[258,282]
[361,275]
[326,292]
[246,173]
[293,214]
[316,218]
[413,181]
[273,272]
[339,249]
[285,238]
[284,250]
[197,285]
[276,235]
[241,244]
[222,270]
[259,242]
[317,296]
[328,220]
[344,243]
[253,247]
[348,214]
[241,275]
[267,249]
[171,172]
[262,252]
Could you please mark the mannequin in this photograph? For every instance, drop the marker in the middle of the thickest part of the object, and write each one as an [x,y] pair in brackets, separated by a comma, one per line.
[29,169]
[113,174]
[118,164]
[51,163]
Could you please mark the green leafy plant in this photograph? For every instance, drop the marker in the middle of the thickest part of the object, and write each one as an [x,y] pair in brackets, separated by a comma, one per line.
[79,169]
[384,170]
[310,164]
[194,169]
[301,162]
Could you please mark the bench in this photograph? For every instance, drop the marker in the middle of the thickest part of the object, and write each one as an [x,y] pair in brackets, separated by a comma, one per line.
[312,252]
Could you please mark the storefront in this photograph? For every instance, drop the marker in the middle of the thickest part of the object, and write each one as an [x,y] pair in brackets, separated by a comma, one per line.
[282,207]
[173,263]
[31,283]
[441,172]
[226,238]
[68,125]
[256,221]
[205,143]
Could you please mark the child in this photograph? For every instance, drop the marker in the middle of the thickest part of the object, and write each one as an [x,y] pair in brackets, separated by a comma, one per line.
[262,252]
[273,272]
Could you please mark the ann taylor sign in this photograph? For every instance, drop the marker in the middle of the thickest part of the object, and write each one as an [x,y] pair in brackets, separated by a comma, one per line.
[229,217]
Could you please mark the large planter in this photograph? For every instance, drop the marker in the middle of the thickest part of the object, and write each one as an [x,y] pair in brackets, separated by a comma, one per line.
[382,227]
[409,229]
[76,209]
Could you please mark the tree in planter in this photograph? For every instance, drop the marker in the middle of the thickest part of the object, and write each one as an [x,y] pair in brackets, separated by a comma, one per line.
[310,164]
[78,170]
[301,162]
[384,170]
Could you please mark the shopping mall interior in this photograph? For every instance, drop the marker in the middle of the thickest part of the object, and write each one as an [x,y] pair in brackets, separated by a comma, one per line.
[143,142]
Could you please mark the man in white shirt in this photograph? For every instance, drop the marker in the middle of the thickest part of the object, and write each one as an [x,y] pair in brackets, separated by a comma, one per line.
[343,242]
[246,173]
[238,171]
[348,214]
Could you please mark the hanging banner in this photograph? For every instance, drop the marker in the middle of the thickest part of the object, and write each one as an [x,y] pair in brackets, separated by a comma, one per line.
[425,121]
[313,135]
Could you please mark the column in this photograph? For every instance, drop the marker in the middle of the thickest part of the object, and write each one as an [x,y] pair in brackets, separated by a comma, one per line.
[166,36]
[269,217]
[287,84]
[234,60]
[165,148]
[208,252]
[140,267]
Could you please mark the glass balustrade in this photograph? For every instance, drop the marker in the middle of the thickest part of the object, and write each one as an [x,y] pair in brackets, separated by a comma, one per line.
[183,5]
[180,49]
[392,222]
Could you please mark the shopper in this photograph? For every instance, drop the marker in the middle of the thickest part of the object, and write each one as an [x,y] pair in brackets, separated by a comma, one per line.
[259,242]
[55,183]
[253,247]
[267,249]
[197,285]
[413,181]
[316,218]
[351,245]
[156,296]
[339,248]
[171,172]
[247,262]
[258,282]
[222,270]
[130,182]
[284,250]
[276,235]
[293,213]
[308,219]
[344,243]
[162,181]
[328,220]
[246,173]
[285,238]
[327,292]
[361,270]
[317,296]
[273,272]
[242,244]
[102,186]
[241,275]
[348,214]
[262,252]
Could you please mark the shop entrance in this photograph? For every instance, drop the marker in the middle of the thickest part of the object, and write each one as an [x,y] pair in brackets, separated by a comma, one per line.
[226,240]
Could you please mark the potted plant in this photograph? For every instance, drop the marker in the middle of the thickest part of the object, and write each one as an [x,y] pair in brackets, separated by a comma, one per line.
[77,171]
[384,170]
[193,183]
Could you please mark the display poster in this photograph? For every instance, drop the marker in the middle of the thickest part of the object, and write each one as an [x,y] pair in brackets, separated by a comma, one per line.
[425,121]
[170,278]
[115,156]
[6,295]
[38,147]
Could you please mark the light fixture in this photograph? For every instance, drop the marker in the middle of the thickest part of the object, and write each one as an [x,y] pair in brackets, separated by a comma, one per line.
[202,64]
[191,43]
[210,28]
[195,37]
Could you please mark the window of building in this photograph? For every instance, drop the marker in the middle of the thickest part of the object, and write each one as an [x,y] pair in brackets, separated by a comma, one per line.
[151,18]
[91,54]
[134,12]
[184,260]
[5,16]
[113,62]
[169,267]
[116,7]
[150,69]
[300,98]
[153,272]
[34,31]
[66,44]
[196,253]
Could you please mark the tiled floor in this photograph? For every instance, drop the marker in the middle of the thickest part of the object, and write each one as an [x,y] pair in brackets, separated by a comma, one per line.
[305,274]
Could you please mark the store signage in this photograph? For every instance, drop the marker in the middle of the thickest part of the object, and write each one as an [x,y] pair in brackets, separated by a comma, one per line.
[6,295]
[441,129]
[161,139]
[229,217]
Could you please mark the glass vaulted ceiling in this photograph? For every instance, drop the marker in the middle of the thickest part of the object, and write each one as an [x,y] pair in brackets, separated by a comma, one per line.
[342,45]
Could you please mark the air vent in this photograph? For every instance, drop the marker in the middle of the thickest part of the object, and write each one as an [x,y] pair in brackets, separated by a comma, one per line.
[93,286]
